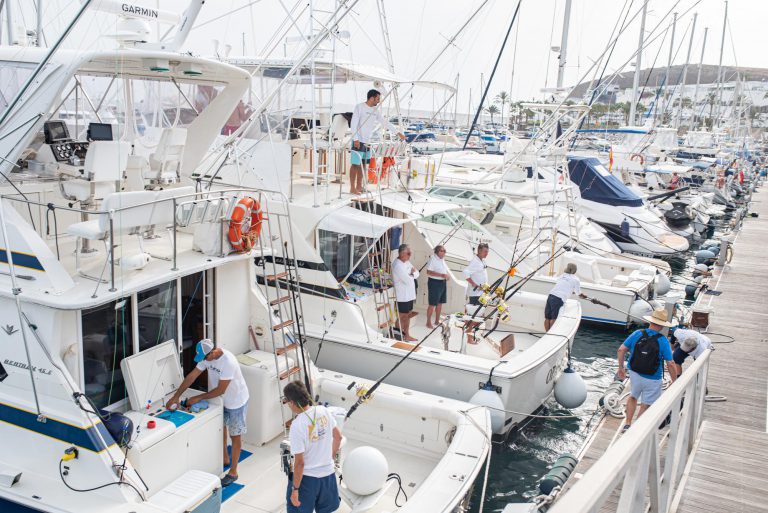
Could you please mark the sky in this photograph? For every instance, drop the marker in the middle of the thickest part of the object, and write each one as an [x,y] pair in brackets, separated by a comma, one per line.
[419,30]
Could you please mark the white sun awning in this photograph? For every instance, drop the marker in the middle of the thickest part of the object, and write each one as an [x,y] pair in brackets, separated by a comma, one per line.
[352,221]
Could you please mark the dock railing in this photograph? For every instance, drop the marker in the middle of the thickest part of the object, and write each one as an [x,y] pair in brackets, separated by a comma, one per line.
[634,461]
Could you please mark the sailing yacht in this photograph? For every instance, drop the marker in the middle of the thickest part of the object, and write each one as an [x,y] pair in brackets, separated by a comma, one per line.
[104,301]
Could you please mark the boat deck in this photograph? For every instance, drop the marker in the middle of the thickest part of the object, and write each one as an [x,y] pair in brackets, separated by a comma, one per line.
[732,442]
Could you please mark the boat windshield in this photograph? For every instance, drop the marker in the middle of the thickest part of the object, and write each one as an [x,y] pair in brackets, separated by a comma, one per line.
[13,75]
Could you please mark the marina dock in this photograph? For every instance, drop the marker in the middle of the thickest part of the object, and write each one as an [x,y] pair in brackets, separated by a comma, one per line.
[722,472]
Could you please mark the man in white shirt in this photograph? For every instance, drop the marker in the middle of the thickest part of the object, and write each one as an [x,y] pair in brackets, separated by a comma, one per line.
[437,286]
[565,286]
[689,343]
[366,120]
[404,276]
[224,380]
[476,275]
[315,441]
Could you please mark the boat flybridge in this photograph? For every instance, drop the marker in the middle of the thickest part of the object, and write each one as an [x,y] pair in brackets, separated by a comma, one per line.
[114,262]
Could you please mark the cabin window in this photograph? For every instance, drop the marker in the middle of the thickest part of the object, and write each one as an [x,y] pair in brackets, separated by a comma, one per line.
[158,315]
[336,252]
[107,339]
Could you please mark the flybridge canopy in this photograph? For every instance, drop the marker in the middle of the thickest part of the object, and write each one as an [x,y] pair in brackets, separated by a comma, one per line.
[344,72]
[598,185]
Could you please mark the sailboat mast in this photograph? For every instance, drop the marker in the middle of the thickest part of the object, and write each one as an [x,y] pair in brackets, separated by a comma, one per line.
[720,68]
[698,78]
[685,72]
[638,66]
[669,64]
[563,44]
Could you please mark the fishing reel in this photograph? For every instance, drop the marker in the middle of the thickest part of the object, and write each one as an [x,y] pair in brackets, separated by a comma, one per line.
[286,459]
[503,311]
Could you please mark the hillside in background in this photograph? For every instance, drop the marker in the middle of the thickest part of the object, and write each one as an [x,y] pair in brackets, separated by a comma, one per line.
[653,77]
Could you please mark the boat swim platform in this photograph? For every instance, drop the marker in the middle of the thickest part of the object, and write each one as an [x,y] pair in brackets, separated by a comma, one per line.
[726,469]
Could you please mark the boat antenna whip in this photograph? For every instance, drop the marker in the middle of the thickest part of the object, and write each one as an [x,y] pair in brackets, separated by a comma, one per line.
[364,396]
[493,72]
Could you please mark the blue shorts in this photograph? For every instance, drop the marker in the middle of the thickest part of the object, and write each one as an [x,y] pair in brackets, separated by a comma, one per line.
[234,420]
[552,309]
[645,390]
[361,155]
[437,291]
[318,494]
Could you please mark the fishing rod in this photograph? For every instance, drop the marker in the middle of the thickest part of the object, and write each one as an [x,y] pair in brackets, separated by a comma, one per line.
[363,397]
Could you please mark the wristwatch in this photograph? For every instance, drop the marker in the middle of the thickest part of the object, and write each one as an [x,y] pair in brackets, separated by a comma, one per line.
[296,488]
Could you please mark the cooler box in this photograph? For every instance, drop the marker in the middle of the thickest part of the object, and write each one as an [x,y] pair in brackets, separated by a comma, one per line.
[700,316]
[264,419]
[182,442]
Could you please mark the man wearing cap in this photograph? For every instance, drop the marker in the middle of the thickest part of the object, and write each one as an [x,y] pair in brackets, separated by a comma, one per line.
[565,286]
[688,343]
[648,349]
[224,379]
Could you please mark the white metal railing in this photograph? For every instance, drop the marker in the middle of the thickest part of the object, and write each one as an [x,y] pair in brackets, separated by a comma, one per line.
[634,460]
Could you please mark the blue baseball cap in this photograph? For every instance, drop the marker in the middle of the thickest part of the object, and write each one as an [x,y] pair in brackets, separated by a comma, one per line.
[204,347]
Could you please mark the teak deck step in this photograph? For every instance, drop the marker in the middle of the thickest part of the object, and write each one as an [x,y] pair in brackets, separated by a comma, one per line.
[289,372]
[278,276]
[279,300]
[282,325]
[282,350]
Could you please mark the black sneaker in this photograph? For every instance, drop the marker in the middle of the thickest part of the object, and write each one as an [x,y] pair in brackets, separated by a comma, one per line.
[228,480]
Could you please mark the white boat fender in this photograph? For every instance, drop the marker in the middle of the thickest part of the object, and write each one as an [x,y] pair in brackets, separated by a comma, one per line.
[639,309]
[365,470]
[661,284]
[703,256]
[135,262]
[701,268]
[559,473]
[691,289]
[570,389]
[488,397]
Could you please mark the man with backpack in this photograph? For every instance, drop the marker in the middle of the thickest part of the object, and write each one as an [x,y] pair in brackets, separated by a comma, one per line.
[648,349]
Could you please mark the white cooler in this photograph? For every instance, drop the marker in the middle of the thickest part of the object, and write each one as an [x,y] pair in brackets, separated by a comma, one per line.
[265,421]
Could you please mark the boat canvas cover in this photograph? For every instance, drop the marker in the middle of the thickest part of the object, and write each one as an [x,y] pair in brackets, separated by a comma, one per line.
[598,185]
[351,221]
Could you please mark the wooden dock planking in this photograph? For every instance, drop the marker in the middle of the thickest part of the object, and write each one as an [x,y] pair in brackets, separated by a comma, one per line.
[726,471]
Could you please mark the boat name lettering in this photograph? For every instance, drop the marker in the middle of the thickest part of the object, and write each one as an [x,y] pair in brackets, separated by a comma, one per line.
[141,11]
[553,372]
[22,365]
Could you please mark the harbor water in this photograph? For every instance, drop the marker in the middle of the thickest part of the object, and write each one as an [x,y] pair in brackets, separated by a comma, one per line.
[520,461]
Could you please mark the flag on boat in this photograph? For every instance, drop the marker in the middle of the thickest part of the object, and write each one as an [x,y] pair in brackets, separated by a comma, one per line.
[610,159]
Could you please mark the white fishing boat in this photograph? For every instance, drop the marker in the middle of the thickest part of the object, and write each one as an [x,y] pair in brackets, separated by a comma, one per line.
[102,313]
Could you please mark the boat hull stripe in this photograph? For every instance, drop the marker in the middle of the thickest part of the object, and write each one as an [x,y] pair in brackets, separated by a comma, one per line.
[85,438]
[22,260]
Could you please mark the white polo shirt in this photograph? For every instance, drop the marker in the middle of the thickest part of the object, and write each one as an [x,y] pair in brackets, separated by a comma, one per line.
[437,265]
[476,270]
[405,286]
[565,286]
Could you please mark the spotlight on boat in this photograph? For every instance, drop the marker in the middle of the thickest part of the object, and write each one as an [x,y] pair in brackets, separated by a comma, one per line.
[365,470]
[570,389]
[661,284]
[487,396]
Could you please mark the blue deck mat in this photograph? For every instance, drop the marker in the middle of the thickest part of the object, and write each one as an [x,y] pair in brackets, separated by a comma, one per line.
[243,455]
[179,418]
[228,491]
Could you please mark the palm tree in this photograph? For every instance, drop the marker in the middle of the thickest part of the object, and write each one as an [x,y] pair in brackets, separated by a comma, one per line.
[492,109]
[503,99]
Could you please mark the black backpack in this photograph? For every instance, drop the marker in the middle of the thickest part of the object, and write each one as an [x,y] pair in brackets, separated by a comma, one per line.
[645,356]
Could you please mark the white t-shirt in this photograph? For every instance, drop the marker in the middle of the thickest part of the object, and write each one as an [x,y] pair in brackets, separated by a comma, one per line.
[365,121]
[225,367]
[476,270]
[565,286]
[703,342]
[405,287]
[312,435]
[437,265]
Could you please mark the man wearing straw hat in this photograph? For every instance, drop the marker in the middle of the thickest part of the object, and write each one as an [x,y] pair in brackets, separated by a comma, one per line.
[648,349]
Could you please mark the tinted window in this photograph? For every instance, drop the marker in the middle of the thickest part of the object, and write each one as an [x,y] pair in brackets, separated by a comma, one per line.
[107,339]
[157,315]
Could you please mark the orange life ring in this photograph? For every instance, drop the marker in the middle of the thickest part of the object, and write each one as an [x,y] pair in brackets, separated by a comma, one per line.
[245,224]
[642,159]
